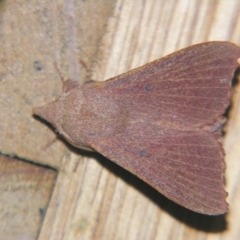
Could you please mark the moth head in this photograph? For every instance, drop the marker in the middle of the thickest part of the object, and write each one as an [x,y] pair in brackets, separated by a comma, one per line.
[66,115]
[52,113]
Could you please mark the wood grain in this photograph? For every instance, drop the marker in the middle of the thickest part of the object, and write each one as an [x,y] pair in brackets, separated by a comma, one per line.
[25,192]
[93,198]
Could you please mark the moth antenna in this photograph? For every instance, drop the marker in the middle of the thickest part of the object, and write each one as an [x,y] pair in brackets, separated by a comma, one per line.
[59,73]
[84,65]
[86,68]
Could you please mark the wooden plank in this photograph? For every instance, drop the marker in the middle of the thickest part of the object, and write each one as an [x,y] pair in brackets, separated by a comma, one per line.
[25,191]
[93,198]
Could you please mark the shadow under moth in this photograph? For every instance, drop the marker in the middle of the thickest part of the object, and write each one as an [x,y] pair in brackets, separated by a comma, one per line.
[160,121]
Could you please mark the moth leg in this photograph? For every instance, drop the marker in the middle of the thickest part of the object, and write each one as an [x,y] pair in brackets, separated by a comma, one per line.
[50,143]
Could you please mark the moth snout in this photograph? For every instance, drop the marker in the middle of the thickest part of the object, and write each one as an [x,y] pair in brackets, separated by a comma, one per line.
[51,112]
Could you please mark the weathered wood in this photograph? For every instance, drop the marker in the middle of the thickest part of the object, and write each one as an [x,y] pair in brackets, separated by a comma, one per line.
[93,198]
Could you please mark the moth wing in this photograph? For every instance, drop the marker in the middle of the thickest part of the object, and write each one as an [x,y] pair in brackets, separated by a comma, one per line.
[191,86]
[170,106]
[185,166]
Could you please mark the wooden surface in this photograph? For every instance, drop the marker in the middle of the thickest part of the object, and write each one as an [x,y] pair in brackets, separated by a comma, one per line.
[91,197]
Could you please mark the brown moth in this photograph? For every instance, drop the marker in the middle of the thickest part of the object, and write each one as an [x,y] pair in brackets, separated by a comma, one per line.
[159,121]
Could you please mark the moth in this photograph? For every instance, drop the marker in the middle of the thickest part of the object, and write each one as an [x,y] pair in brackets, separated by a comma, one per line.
[160,121]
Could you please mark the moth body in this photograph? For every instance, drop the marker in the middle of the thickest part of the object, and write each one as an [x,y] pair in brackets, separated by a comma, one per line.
[159,121]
